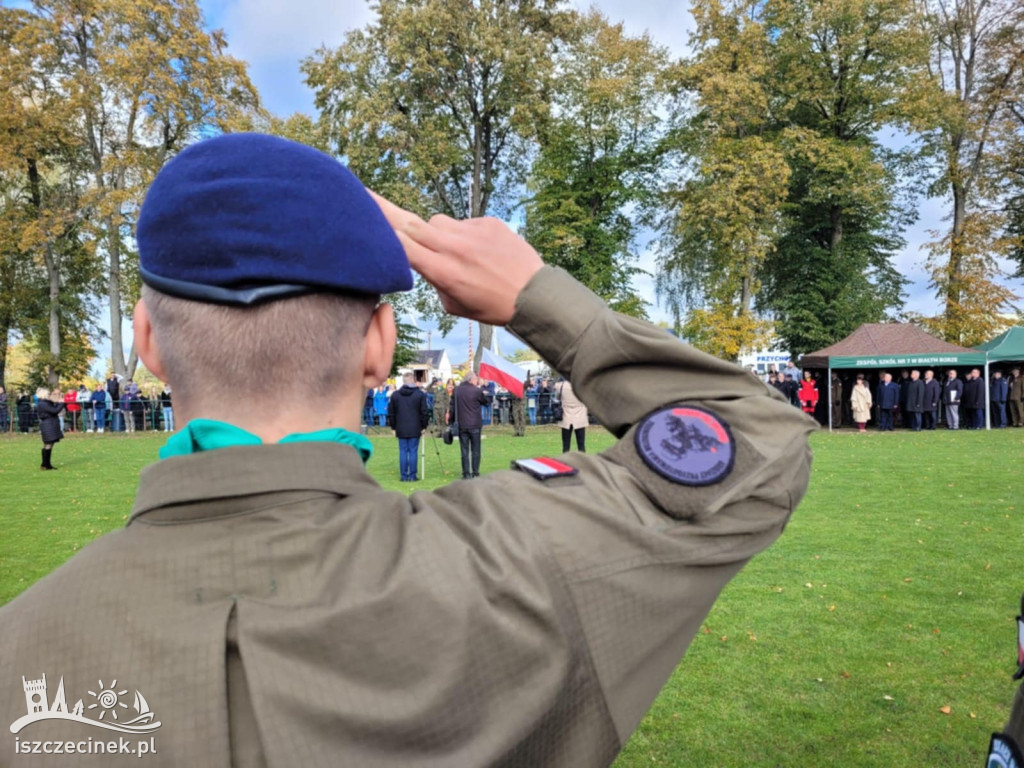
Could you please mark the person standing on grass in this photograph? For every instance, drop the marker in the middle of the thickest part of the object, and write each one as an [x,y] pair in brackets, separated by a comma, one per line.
[99,407]
[380,405]
[575,417]
[1016,399]
[466,410]
[932,396]
[167,406]
[952,395]
[860,403]
[84,399]
[49,407]
[408,416]
[5,416]
[912,405]
[973,403]
[998,392]
[888,399]
[808,394]
[837,400]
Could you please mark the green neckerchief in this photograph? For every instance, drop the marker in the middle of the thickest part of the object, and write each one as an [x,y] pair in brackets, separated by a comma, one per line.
[209,435]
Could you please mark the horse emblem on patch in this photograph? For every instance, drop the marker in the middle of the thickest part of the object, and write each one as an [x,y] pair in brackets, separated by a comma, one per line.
[687,445]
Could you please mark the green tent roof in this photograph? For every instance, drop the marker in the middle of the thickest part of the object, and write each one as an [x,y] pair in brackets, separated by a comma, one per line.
[1008,345]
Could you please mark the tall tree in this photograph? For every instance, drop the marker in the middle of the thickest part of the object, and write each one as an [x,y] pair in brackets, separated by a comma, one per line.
[845,70]
[41,173]
[793,209]
[434,102]
[724,216]
[597,166]
[144,79]
[976,59]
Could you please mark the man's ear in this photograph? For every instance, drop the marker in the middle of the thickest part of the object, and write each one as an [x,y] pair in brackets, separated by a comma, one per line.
[145,342]
[381,337]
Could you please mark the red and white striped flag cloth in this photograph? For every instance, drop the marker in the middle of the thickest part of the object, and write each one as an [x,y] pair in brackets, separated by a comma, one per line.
[500,370]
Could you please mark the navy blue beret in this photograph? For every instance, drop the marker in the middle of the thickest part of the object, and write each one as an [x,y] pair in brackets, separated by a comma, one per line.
[245,218]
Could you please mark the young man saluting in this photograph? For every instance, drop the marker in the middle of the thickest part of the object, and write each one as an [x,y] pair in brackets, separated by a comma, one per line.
[277,607]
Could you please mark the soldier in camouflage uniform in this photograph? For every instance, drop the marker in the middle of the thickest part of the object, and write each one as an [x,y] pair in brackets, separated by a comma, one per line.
[442,399]
[518,416]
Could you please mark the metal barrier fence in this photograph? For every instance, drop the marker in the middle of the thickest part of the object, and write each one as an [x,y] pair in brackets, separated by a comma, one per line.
[23,418]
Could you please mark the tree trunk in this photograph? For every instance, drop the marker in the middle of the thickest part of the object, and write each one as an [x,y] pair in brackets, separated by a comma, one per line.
[52,276]
[836,216]
[114,289]
[955,266]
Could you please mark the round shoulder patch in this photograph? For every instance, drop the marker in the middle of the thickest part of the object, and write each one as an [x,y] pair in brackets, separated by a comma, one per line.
[686,445]
[1003,752]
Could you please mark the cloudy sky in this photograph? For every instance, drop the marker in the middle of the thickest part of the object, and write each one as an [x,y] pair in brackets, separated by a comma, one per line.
[274,36]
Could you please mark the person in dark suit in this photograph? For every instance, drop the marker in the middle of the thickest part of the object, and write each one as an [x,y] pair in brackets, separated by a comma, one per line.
[791,390]
[408,415]
[998,391]
[974,400]
[913,401]
[466,410]
[901,404]
[952,396]
[837,400]
[49,408]
[932,395]
[888,399]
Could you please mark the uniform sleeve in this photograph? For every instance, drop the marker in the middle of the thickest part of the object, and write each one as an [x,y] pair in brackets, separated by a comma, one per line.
[642,556]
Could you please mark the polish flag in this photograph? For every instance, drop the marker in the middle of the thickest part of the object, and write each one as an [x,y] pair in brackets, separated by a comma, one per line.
[500,370]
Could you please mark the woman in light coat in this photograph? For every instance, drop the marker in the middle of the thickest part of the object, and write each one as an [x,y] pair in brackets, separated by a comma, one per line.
[860,402]
[574,417]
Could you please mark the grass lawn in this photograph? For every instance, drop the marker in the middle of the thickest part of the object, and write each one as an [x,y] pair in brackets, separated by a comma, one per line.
[878,632]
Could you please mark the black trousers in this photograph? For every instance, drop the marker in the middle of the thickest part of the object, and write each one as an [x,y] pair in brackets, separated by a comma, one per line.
[581,439]
[470,439]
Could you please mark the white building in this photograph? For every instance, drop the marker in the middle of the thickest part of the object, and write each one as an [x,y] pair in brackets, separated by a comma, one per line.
[429,364]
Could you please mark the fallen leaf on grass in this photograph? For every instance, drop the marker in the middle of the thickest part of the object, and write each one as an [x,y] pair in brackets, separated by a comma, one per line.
[831,608]
[888,698]
[971,715]
[987,566]
[845,674]
[946,709]
[907,580]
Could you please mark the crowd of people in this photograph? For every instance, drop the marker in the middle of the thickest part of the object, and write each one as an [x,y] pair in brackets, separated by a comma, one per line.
[112,406]
[415,407]
[917,401]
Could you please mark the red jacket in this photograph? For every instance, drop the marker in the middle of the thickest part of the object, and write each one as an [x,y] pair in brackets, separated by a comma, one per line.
[808,395]
[71,399]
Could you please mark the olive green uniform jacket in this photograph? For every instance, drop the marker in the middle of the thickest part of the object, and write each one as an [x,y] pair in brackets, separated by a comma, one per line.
[275,606]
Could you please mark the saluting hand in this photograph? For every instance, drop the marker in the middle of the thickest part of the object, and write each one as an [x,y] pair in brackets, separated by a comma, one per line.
[478,266]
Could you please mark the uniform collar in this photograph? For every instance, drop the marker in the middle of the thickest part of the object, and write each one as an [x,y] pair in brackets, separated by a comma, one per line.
[220,482]
[209,435]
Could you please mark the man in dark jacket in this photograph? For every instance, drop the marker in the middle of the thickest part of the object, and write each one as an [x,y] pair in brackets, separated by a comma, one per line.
[837,400]
[888,398]
[467,400]
[408,415]
[952,395]
[912,403]
[791,390]
[932,395]
[903,391]
[974,400]
[998,391]
[1016,399]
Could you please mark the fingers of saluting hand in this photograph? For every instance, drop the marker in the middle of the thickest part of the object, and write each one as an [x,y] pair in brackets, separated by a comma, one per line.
[423,242]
